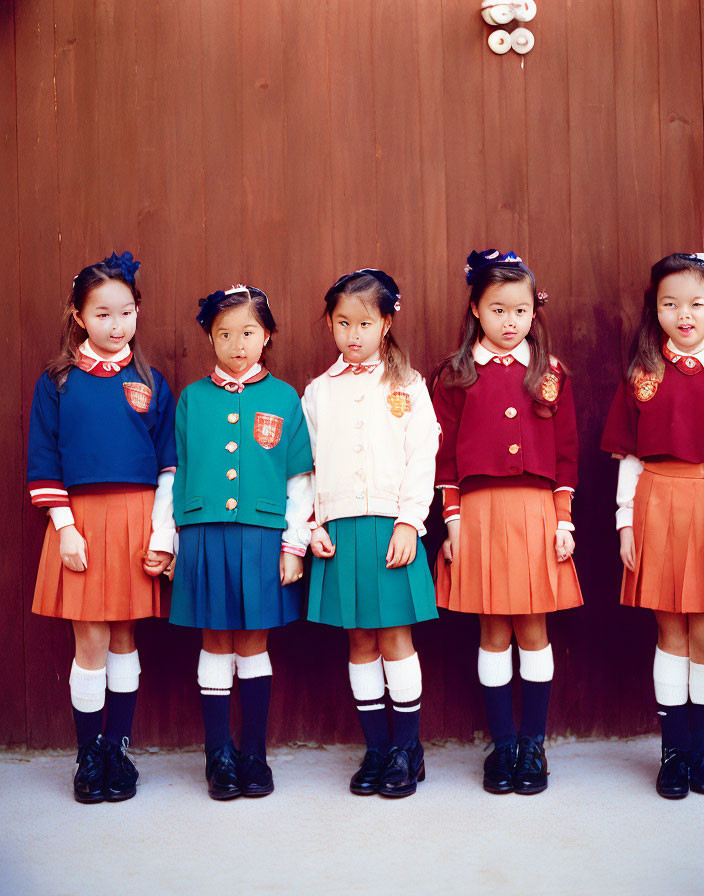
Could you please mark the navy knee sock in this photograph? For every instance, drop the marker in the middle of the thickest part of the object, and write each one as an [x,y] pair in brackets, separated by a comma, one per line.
[255,697]
[535,697]
[119,715]
[674,724]
[375,726]
[498,702]
[216,720]
[696,718]
[88,725]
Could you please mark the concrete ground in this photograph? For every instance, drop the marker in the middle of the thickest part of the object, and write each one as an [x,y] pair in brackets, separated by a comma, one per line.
[599,829]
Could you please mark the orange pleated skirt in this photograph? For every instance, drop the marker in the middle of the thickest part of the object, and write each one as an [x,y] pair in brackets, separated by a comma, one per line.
[668,527]
[116,524]
[507,563]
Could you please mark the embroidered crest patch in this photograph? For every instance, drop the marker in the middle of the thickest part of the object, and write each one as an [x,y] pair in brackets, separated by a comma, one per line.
[267,429]
[138,395]
[399,403]
[550,388]
[645,387]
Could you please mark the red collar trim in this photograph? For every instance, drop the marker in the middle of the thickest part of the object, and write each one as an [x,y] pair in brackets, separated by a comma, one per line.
[231,386]
[684,363]
[98,367]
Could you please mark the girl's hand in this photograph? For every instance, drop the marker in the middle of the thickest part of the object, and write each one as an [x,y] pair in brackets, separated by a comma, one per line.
[155,562]
[290,567]
[564,545]
[628,548]
[451,545]
[72,549]
[320,543]
[402,546]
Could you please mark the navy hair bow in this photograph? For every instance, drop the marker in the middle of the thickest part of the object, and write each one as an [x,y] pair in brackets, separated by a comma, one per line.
[209,308]
[492,257]
[125,262]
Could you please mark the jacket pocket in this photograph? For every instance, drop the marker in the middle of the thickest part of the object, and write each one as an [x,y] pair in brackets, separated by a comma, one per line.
[267,506]
[194,503]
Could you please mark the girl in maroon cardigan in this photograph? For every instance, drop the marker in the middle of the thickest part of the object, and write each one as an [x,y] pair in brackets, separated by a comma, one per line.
[507,466]
[656,428]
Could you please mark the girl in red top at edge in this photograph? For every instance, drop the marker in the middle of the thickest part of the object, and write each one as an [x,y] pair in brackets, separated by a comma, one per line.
[507,466]
[656,429]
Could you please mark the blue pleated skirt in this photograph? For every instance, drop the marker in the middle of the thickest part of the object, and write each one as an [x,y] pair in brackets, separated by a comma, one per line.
[354,589]
[227,577]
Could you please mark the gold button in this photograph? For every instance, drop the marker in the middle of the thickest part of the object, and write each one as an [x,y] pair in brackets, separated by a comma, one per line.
[231,446]
[514,449]
[510,412]
[231,504]
[231,474]
[233,418]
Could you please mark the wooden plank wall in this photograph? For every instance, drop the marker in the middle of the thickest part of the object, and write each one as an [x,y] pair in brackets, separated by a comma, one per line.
[283,143]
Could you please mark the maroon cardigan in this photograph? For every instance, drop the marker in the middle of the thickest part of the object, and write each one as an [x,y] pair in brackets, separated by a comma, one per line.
[481,435]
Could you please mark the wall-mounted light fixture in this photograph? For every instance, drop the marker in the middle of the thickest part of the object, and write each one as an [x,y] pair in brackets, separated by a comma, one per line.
[497,15]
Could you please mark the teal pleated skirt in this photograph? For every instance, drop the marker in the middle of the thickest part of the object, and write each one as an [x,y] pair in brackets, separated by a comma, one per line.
[354,589]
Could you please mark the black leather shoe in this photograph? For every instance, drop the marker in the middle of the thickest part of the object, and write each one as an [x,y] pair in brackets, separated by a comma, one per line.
[120,772]
[255,776]
[499,768]
[673,777]
[222,773]
[402,771]
[696,772]
[88,784]
[531,772]
[365,781]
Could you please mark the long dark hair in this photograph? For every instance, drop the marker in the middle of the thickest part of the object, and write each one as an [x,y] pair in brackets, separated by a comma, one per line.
[646,350]
[397,365]
[73,335]
[459,369]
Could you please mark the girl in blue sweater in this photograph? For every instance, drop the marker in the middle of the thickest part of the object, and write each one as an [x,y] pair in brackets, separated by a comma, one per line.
[102,457]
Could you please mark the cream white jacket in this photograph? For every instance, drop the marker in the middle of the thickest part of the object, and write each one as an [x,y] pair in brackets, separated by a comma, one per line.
[374,447]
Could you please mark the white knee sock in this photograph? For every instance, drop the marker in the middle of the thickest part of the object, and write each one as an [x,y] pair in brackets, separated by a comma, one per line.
[696,682]
[215,673]
[87,688]
[495,669]
[255,666]
[367,681]
[671,678]
[405,683]
[537,665]
[123,672]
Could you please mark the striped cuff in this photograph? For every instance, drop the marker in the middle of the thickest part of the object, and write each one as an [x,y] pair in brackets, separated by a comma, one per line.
[450,503]
[291,549]
[48,493]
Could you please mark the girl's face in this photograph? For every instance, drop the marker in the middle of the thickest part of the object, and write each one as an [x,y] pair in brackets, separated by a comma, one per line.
[109,317]
[238,339]
[358,327]
[680,305]
[505,313]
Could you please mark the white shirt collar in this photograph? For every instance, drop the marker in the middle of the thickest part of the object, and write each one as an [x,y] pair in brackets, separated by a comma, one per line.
[520,353]
[340,366]
[698,354]
[228,378]
[86,349]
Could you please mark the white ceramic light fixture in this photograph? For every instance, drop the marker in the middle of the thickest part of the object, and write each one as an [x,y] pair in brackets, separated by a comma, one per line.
[498,15]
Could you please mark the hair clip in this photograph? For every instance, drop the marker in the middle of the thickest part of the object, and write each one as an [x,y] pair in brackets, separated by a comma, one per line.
[397,303]
[125,262]
[542,298]
[235,289]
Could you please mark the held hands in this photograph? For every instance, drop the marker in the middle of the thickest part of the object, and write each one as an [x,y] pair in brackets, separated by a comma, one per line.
[402,546]
[320,543]
[564,545]
[628,548]
[290,567]
[156,562]
[451,545]
[72,549]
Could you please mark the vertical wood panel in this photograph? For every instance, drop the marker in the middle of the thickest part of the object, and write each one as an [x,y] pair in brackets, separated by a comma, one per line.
[679,43]
[47,643]
[13,728]
[283,144]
